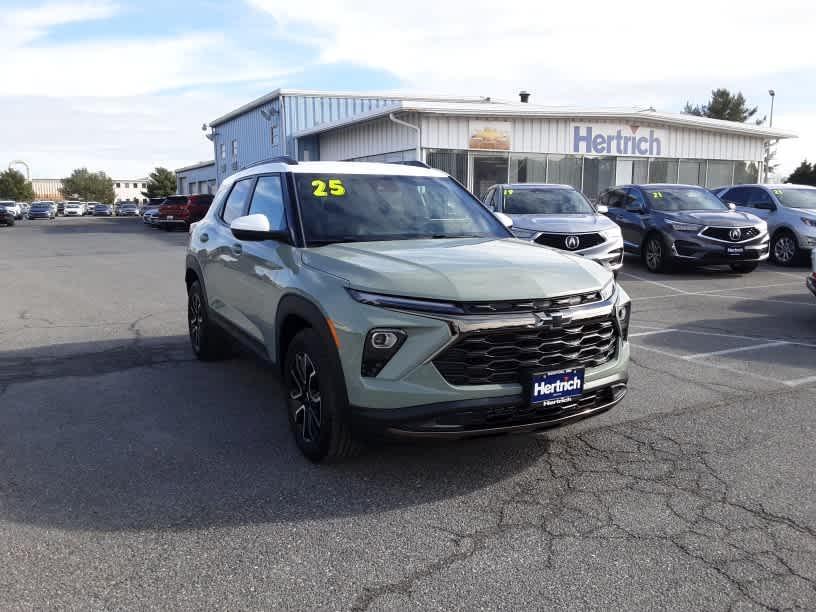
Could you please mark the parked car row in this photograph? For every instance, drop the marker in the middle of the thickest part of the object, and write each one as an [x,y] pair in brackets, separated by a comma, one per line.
[176,211]
[665,224]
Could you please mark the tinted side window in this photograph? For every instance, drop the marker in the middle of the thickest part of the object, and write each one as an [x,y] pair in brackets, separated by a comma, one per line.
[634,198]
[268,200]
[737,195]
[615,198]
[237,200]
[758,196]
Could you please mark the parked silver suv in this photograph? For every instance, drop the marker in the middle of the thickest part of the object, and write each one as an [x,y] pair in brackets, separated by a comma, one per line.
[790,211]
[394,302]
[559,216]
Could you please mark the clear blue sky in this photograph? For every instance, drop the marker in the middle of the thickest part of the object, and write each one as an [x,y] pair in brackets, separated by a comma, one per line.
[125,86]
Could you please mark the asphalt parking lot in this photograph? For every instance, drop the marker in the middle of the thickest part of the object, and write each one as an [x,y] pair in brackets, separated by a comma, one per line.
[133,476]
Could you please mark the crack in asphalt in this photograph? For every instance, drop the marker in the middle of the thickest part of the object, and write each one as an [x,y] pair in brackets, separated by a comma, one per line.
[638,482]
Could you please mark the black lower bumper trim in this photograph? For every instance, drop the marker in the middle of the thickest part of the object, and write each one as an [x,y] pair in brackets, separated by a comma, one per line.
[481,417]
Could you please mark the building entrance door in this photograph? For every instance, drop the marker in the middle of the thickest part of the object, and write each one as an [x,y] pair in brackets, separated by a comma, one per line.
[487,170]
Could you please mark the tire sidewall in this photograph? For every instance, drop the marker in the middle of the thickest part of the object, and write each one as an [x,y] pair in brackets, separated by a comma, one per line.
[663,253]
[334,401]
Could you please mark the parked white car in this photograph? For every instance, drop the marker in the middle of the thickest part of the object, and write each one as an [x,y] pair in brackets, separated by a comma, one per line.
[15,208]
[74,209]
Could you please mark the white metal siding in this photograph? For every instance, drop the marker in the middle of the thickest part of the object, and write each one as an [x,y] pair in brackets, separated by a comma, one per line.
[555,136]
[371,138]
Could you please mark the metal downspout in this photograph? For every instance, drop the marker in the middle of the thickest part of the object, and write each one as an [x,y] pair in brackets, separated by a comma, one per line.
[413,127]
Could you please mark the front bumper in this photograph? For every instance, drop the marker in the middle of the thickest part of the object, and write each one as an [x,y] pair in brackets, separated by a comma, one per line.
[39,215]
[486,416]
[6,217]
[608,254]
[686,246]
[811,283]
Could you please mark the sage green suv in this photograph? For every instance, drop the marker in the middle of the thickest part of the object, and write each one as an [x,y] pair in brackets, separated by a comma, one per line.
[394,303]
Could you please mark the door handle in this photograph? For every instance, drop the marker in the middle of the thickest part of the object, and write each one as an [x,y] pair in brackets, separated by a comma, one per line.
[204,237]
[237,249]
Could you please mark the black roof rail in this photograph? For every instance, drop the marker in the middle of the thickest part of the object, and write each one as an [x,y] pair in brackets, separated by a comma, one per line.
[281,159]
[412,162]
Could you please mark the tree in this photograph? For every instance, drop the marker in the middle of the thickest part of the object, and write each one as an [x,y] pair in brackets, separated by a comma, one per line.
[805,174]
[723,105]
[161,183]
[88,186]
[14,186]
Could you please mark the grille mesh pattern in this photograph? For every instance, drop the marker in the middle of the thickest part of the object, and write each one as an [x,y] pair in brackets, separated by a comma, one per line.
[500,356]
[724,233]
[558,241]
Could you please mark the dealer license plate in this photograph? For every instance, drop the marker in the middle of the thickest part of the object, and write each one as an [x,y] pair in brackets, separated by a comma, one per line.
[556,388]
[734,251]
[170,217]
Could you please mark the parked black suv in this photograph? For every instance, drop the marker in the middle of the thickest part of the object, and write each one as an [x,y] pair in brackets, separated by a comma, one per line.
[685,223]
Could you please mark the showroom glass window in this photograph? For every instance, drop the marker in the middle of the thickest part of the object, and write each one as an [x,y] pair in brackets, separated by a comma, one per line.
[662,170]
[720,173]
[599,174]
[565,170]
[745,172]
[453,162]
[692,172]
[528,168]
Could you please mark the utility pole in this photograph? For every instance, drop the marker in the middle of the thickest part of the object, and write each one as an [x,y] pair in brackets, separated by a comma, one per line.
[771,93]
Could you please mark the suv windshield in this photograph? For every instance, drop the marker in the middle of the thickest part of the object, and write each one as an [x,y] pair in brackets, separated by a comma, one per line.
[682,198]
[532,201]
[367,207]
[796,198]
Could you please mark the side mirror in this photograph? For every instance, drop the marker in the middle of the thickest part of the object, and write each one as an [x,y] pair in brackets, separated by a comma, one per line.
[732,206]
[602,209]
[505,220]
[255,228]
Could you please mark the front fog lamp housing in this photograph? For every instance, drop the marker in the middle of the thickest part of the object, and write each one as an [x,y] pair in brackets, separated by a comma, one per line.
[380,346]
[623,313]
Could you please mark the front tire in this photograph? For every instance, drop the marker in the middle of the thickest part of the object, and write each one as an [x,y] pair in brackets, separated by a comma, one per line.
[784,248]
[209,343]
[316,399]
[744,268]
[655,254]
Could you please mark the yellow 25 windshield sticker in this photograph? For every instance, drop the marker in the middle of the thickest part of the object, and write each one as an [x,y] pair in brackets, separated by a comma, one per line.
[335,188]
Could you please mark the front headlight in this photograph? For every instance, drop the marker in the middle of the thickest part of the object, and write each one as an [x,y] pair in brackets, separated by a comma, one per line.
[684,227]
[612,234]
[404,303]
[608,290]
[524,234]
[810,222]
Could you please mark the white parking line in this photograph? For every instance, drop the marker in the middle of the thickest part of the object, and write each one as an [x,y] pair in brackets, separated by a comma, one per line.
[752,347]
[800,381]
[653,282]
[721,335]
[653,332]
[716,366]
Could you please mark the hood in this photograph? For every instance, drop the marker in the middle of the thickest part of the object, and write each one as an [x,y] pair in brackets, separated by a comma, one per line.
[810,213]
[563,224]
[726,218]
[466,269]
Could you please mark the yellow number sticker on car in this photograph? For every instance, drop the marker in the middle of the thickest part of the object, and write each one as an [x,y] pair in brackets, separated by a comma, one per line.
[508,192]
[657,195]
[777,192]
[335,188]
[319,188]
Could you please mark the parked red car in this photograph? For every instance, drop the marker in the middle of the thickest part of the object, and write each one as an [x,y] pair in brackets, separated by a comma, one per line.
[182,210]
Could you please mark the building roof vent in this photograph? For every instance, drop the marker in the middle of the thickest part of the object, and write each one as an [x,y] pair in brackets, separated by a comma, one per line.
[524,96]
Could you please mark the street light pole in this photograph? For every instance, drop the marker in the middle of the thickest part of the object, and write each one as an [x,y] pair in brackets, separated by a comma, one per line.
[771,93]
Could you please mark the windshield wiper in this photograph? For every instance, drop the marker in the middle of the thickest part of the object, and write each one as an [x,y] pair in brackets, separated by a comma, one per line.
[441,236]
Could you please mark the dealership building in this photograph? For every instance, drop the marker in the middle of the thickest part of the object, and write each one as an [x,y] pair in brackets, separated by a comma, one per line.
[481,141]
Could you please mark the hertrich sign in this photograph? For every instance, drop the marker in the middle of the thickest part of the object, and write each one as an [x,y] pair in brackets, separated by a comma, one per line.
[609,140]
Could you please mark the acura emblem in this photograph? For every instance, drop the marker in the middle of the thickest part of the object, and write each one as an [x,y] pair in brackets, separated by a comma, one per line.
[735,234]
[572,242]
